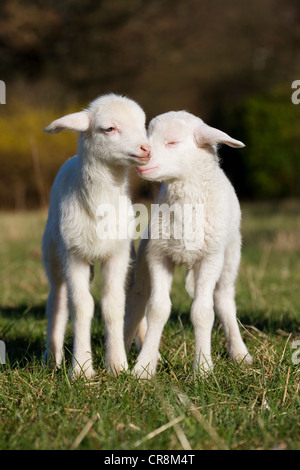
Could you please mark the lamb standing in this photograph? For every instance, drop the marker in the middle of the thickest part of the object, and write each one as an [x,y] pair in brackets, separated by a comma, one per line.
[112,137]
[184,156]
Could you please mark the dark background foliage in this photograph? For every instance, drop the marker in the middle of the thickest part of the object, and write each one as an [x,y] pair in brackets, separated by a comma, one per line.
[232,63]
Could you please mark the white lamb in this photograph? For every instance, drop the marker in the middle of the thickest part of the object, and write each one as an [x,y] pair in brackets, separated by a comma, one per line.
[112,137]
[184,156]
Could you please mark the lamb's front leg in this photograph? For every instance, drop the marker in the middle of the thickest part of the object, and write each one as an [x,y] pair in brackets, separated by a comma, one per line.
[82,310]
[206,274]
[114,271]
[158,311]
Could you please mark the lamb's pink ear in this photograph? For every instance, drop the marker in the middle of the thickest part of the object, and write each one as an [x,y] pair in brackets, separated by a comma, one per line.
[78,122]
[206,135]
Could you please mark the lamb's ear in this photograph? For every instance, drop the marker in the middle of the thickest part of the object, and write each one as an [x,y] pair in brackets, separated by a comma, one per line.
[206,135]
[78,122]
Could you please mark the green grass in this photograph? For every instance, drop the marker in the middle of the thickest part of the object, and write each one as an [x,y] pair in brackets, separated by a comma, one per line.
[237,407]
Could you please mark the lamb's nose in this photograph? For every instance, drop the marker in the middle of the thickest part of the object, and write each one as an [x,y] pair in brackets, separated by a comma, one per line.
[146,149]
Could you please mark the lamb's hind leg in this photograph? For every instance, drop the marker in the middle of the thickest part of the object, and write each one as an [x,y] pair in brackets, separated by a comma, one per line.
[158,311]
[57,314]
[137,298]
[224,299]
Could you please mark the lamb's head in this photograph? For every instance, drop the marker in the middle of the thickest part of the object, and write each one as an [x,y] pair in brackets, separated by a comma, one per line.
[112,128]
[179,140]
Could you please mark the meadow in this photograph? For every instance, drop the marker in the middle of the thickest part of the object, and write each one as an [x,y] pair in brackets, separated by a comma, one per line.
[236,407]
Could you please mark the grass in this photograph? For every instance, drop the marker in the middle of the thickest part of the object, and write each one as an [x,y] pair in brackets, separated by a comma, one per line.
[237,407]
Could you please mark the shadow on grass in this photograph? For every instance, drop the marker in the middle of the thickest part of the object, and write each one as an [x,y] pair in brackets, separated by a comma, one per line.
[23,329]
[268,323]
[22,311]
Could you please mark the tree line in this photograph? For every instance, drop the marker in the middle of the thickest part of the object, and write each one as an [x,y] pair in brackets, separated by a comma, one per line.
[232,63]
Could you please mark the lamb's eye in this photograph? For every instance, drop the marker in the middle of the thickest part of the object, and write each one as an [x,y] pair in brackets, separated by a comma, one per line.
[173,143]
[109,129]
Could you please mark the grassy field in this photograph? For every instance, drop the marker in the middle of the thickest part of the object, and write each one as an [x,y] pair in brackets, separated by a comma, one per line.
[236,407]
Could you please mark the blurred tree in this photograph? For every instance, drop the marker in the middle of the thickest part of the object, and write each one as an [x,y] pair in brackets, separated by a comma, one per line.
[216,59]
[272,126]
[269,125]
[168,52]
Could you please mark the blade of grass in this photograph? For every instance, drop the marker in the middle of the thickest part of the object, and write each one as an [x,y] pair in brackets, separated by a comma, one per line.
[158,431]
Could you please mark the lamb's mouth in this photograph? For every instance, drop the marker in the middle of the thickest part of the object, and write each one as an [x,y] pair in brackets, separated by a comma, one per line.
[145,171]
[140,160]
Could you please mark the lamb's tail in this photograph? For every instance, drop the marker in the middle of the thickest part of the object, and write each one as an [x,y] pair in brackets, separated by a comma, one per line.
[190,282]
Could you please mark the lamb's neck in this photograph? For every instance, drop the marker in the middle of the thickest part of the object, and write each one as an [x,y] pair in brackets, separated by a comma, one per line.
[191,189]
[99,182]
[96,173]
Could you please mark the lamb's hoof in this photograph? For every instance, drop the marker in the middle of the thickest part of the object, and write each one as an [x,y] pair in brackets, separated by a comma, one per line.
[203,368]
[143,373]
[51,361]
[242,358]
[117,369]
[82,372]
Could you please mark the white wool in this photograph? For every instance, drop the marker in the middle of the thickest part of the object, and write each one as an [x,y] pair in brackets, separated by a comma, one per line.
[112,137]
[184,157]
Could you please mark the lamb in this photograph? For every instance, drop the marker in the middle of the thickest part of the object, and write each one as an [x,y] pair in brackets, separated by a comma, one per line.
[184,157]
[112,137]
